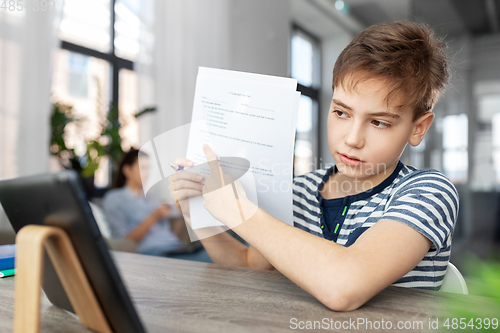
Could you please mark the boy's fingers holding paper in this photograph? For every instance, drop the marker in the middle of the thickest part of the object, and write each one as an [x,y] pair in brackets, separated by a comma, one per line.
[185,175]
[215,180]
[184,162]
[209,153]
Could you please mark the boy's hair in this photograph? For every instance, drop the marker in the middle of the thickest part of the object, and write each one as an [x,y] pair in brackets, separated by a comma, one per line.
[406,54]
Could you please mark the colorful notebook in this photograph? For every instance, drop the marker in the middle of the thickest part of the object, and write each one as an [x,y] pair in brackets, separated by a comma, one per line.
[7,256]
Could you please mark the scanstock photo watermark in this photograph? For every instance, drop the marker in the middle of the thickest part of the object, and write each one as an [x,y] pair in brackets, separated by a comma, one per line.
[365,324]
[355,324]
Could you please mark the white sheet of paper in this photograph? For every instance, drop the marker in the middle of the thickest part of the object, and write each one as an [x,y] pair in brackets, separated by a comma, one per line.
[250,116]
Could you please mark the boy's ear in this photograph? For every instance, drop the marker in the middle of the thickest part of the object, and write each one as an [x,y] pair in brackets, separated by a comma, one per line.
[420,128]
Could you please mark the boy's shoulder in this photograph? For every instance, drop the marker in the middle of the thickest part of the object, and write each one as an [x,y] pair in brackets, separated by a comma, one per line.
[311,180]
[410,177]
[407,177]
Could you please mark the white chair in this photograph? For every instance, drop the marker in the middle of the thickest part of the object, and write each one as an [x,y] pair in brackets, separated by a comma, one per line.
[100,219]
[123,244]
[453,281]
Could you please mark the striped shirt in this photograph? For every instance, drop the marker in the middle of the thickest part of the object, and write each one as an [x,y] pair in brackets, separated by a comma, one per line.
[423,199]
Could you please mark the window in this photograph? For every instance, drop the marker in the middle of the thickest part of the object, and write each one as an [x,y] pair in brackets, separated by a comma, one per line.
[305,67]
[455,144]
[87,23]
[127,28]
[485,158]
[128,108]
[496,144]
[489,108]
[83,84]
[94,71]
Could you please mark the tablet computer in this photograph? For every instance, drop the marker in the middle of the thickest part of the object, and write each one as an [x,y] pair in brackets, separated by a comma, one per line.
[59,200]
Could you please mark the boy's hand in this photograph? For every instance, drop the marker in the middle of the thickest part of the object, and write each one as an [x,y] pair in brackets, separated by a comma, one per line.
[224,197]
[183,185]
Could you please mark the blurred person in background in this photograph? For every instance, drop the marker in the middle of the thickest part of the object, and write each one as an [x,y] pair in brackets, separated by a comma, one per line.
[130,215]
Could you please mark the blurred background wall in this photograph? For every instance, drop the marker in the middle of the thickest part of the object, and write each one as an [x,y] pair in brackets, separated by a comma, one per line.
[75,74]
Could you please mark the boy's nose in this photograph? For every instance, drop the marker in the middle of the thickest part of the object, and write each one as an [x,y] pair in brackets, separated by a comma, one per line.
[355,136]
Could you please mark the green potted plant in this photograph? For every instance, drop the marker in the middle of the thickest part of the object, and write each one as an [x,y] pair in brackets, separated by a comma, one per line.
[109,142]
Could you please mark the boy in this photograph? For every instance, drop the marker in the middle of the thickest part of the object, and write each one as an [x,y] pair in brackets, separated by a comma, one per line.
[370,221]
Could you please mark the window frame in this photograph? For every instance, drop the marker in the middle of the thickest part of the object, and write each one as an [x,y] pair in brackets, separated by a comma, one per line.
[313,91]
[117,63]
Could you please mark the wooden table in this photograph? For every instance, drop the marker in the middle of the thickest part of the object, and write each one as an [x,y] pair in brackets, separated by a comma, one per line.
[174,295]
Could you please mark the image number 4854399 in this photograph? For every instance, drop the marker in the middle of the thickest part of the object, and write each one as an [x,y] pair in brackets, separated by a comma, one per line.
[21,5]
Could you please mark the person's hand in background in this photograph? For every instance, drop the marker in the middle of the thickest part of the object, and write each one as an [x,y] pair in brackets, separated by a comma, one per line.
[162,211]
[139,232]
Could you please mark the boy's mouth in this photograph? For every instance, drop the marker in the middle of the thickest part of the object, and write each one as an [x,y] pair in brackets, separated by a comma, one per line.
[351,157]
[350,160]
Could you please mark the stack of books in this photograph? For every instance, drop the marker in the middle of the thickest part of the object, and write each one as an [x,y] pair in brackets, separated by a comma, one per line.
[7,260]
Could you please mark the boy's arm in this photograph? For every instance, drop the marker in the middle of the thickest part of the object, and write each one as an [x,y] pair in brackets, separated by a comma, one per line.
[220,246]
[342,278]
[226,250]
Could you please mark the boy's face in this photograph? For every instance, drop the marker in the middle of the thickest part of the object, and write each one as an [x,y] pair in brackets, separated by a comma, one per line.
[365,136]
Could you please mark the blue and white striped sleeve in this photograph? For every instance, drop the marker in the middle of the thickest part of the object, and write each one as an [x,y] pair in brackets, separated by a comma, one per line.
[427,202]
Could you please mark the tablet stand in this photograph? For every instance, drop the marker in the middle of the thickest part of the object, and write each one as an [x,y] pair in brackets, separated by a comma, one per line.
[31,240]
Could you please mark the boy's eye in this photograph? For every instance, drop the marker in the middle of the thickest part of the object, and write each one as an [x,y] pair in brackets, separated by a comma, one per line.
[340,114]
[376,123]
[380,124]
